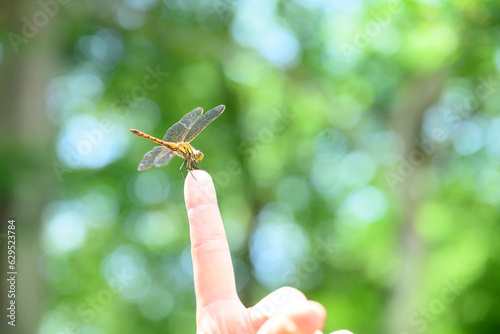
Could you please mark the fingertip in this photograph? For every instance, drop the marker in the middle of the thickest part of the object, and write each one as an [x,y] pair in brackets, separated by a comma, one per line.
[198,175]
[309,316]
[320,312]
[318,308]
[199,189]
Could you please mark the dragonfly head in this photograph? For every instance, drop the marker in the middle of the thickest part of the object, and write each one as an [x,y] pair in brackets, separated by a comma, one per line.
[198,156]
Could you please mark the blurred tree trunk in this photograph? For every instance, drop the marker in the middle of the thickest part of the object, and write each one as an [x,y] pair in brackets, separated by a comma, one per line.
[414,99]
[23,78]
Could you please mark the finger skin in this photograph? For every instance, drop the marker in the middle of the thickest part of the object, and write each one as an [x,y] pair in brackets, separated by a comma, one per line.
[287,310]
[310,318]
[278,302]
[307,318]
[212,266]
[280,324]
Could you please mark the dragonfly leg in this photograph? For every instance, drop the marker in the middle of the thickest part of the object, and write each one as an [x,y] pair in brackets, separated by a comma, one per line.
[189,168]
[180,169]
[194,163]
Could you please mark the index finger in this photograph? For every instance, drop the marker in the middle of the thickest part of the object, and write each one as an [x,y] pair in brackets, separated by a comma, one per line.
[212,266]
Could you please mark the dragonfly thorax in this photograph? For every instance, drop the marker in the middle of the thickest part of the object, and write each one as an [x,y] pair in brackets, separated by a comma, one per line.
[186,151]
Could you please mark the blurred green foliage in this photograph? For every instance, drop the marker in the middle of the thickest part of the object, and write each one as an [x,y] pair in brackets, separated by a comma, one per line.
[357,160]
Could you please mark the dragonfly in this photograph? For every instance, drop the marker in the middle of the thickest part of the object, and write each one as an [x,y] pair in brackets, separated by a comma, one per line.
[177,139]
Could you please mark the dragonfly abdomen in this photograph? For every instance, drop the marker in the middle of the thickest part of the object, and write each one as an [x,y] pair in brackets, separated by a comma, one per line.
[148,137]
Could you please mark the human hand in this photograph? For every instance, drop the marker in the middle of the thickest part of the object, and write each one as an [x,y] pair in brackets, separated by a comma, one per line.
[218,307]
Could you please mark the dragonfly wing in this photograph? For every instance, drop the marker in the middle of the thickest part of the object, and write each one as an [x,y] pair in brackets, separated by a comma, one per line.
[149,158]
[201,123]
[179,129]
[164,158]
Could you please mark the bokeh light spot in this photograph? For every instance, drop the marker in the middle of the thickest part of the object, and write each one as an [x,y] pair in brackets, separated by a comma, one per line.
[493,137]
[151,187]
[85,142]
[385,147]
[364,206]
[157,304]
[125,270]
[63,227]
[104,47]
[467,138]
[244,68]
[356,168]
[254,26]
[295,192]
[277,245]
[101,206]
[155,229]
[128,17]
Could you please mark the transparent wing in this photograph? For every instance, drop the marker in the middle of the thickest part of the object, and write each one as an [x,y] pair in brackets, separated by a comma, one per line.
[201,123]
[149,158]
[164,158]
[179,129]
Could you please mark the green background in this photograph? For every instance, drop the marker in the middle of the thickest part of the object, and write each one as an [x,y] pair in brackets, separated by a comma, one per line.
[357,159]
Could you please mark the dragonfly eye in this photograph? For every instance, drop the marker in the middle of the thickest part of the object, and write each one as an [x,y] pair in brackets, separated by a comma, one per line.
[198,156]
